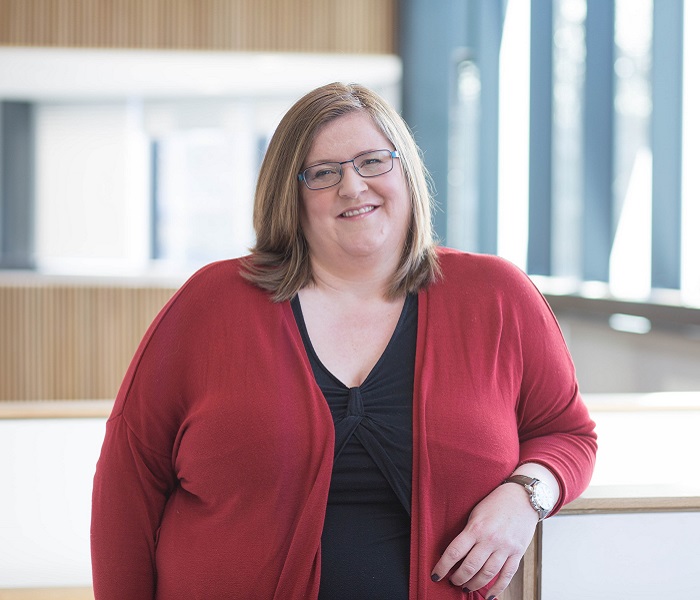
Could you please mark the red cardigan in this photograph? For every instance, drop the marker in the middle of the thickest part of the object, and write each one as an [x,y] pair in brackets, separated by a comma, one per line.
[213,477]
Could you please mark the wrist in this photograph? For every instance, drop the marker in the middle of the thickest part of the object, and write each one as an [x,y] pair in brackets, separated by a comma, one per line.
[541,496]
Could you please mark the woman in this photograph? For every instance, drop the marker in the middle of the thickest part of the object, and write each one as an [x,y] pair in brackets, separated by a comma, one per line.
[225,475]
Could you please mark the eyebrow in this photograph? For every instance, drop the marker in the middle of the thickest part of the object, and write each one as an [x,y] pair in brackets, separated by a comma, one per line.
[324,161]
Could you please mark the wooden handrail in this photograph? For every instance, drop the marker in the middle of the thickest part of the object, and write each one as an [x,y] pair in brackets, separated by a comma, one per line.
[56,409]
[57,593]
[635,498]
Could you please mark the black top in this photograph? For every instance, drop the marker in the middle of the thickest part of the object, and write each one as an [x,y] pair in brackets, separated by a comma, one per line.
[365,547]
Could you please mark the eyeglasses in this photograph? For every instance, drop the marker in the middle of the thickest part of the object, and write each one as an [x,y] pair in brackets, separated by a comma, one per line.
[367,164]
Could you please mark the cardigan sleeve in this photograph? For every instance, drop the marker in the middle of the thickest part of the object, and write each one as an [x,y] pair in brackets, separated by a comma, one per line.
[134,475]
[130,490]
[554,426]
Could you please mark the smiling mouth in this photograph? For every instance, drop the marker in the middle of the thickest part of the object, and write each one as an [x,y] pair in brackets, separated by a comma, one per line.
[358,211]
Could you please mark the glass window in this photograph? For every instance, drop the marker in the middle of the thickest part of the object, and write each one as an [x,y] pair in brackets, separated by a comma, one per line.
[630,260]
[690,248]
[155,174]
[569,70]
[513,134]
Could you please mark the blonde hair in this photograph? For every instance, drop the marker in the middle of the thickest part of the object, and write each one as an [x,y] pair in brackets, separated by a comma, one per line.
[279,262]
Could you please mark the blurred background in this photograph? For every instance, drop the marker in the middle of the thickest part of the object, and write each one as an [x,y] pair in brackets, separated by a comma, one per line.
[560,134]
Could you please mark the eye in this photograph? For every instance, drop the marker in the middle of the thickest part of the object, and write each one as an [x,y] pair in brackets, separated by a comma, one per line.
[373,163]
[322,172]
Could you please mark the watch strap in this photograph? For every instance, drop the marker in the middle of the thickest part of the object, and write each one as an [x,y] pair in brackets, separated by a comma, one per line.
[523,480]
[529,484]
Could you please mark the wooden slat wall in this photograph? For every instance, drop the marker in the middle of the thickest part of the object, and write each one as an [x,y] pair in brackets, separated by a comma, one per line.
[360,26]
[60,342]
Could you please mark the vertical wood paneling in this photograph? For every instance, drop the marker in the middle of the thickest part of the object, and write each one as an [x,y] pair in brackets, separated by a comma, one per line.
[71,342]
[361,26]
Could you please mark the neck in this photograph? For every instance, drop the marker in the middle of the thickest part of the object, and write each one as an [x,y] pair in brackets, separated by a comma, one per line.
[362,277]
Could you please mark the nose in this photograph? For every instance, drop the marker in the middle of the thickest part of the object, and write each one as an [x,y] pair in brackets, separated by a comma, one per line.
[352,184]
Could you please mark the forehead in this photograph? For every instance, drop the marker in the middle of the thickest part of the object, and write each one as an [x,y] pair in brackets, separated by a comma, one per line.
[346,137]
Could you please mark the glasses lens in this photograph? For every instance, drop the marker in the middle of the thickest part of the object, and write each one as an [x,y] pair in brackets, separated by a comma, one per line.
[369,164]
[374,163]
[321,176]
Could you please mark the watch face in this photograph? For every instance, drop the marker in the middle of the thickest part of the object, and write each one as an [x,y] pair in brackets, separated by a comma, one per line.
[542,495]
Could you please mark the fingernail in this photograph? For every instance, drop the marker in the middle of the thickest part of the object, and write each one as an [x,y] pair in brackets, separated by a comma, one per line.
[466,590]
[491,598]
[435,577]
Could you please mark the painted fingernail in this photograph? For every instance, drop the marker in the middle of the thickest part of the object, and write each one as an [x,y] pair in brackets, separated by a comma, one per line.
[491,598]
[435,577]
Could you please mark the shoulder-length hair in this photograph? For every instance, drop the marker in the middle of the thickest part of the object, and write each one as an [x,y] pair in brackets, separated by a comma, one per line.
[279,262]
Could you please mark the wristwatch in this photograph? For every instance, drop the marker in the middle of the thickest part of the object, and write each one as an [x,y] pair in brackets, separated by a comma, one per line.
[541,496]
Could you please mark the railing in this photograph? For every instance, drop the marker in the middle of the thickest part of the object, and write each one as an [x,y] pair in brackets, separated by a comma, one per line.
[68,593]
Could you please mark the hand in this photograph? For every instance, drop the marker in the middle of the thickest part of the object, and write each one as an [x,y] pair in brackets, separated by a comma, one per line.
[498,532]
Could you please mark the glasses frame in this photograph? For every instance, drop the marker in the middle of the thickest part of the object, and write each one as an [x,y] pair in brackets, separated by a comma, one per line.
[302,176]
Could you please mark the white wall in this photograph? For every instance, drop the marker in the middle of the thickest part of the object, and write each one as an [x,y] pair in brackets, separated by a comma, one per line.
[612,557]
[47,467]
[644,451]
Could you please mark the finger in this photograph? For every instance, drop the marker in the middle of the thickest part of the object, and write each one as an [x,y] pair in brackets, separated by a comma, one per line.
[455,552]
[472,564]
[505,577]
[489,569]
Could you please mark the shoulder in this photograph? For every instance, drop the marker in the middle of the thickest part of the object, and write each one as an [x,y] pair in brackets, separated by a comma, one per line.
[487,285]
[215,295]
[490,290]
[459,259]
[220,280]
[481,272]
[215,309]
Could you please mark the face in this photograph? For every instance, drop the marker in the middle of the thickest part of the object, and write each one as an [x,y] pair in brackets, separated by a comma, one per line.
[360,217]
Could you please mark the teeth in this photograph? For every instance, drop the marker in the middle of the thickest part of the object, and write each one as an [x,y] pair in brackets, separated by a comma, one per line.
[358,211]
